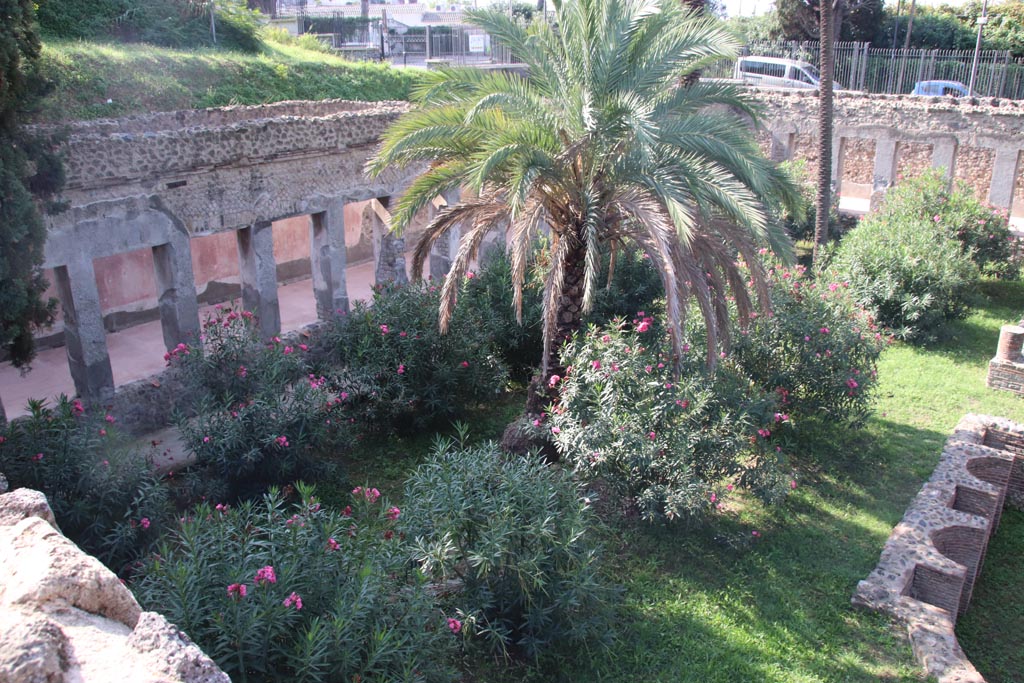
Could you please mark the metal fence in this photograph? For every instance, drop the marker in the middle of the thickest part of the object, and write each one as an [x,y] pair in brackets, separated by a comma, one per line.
[859,66]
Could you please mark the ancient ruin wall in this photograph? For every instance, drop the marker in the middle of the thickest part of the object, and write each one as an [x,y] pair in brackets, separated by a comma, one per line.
[929,566]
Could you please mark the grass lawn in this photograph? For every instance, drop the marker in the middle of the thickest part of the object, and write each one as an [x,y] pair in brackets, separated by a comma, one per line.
[716,603]
[138,78]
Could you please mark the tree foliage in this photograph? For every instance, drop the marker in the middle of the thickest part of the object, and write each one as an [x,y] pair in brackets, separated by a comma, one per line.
[26,168]
[603,147]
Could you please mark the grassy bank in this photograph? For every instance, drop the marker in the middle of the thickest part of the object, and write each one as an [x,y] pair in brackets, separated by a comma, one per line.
[98,80]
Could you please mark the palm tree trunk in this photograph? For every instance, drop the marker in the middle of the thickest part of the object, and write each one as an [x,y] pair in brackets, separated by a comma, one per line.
[568,319]
[697,7]
[823,200]
[3,414]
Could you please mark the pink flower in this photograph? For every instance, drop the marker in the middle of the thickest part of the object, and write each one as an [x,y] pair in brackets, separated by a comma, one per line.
[648,369]
[303,347]
[606,339]
[755,534]
[464,363]
[383,329]
[556,430]
[109,418]
[652,436]
[792,484]
[265,575]
[764,433]
[282,441]
[206,439]
[403,334]
[643,326]
[144,522]
[553,381]
[332,544]
[728,487]
[938,218]
[393,513]
[852,383]
[276,340]
[103,432]
[221,507]
[454,625]
[293,600]
[77,407]
[713,497]
[347,512]
[536,423]
[833,287]
[237,590]
[595,364]
[242,371]
[470,275]
[343,395]
[401,369]
[288,350]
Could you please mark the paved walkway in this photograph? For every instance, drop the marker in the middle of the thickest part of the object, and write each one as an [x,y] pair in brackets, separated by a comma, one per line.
[137,352]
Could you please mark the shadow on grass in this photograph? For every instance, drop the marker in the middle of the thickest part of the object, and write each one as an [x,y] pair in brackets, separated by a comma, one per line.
[714,603]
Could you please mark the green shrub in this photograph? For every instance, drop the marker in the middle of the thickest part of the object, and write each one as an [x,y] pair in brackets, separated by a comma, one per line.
[490,295]
[907,273]
[260,417]
[516,537]
[273,592]
[673,445]
[104,495]
[816,349]
[983,232]
[401,372]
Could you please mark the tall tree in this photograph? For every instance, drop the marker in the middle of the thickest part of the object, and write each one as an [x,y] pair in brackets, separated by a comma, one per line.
[25,169]
[602,145]
[823,199]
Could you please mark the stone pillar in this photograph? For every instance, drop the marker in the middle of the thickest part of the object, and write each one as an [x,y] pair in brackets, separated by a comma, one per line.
[176,290]
[1004,174]
[884,171]
[838,153]
[328,260]
[84,336]
[258,274]
[944,156]
[1011,341]
[443,252]
[781,146]
[388,251]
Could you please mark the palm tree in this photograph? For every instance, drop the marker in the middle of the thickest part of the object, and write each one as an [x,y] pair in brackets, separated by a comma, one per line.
[603,146]
[823,196]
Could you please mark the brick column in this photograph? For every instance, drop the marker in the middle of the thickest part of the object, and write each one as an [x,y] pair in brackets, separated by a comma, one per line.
[258,274]
[176,290]
[1004,173]
[328,260]
[1011,341]
[885,169]
[84,335]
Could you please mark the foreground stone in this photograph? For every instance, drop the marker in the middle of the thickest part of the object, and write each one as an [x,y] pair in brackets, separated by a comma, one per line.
[64,617]
[932,560]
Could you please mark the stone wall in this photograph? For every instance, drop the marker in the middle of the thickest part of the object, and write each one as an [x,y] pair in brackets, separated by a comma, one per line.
[64,617]
[140,191]
[930,563]
[976,140]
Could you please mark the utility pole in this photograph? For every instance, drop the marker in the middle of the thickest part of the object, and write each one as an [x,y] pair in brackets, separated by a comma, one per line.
[982,20]
[213,21]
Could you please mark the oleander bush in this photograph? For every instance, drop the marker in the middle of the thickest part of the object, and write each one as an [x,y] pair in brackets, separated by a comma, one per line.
[277,591]
[401,372]
[259,416]
[907,273]
[816,349]
[513,539]
[103,493]
[982,231]
[673,444]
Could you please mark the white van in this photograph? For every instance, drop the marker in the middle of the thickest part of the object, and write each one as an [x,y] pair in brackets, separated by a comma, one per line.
[774,72]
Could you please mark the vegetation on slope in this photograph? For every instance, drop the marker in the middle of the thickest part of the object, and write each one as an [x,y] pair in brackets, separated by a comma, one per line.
[102,80]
